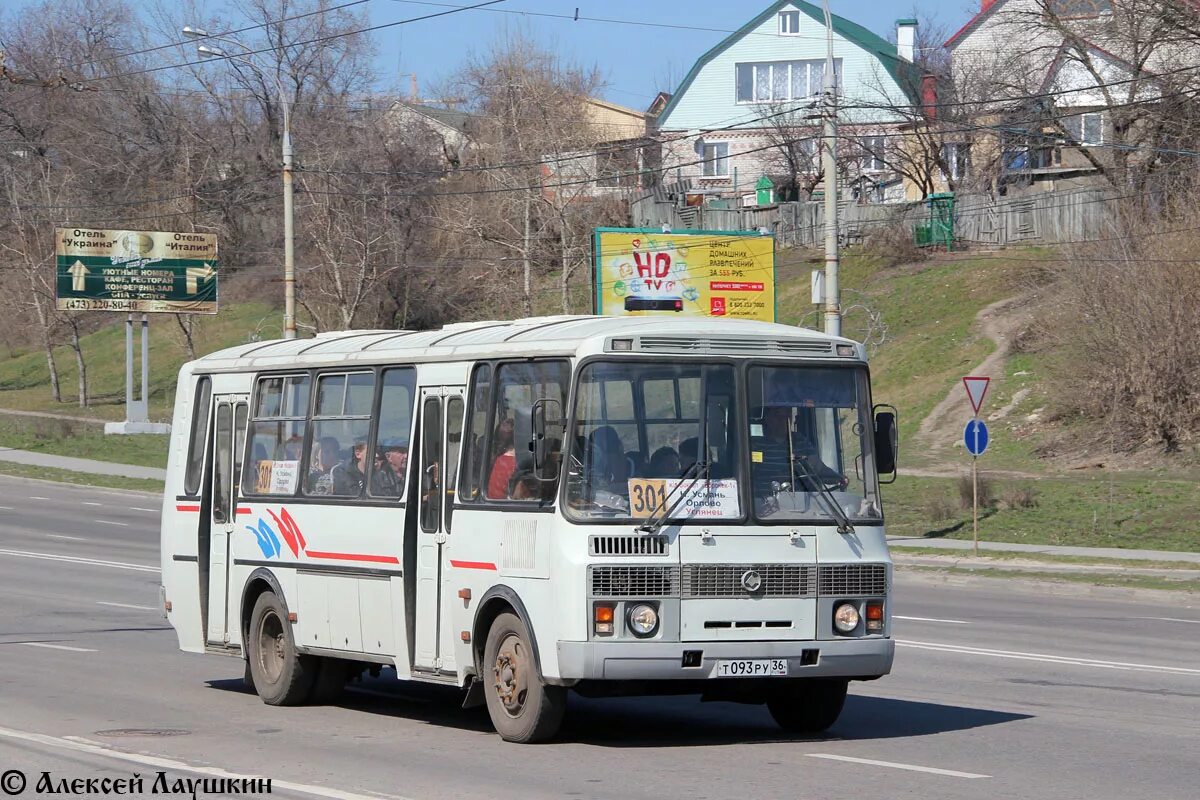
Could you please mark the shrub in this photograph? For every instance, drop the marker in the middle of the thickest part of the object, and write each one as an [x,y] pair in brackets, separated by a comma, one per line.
[987,495]
[940,508]
[1020,497]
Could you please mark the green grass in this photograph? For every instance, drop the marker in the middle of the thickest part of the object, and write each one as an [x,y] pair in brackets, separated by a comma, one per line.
[81,440]
[80,478]
[1122,581]
[25,378]
[1132,511]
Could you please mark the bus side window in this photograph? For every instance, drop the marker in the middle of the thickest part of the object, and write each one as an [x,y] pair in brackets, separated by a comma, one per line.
[478,436]
[508,468]
[200,414]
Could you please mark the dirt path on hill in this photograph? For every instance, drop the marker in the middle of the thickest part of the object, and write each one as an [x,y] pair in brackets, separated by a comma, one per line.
[940,431]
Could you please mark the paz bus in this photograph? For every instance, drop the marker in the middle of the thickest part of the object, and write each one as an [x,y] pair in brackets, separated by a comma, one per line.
[610,506]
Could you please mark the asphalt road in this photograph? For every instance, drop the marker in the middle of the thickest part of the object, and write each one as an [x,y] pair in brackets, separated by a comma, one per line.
[999,690]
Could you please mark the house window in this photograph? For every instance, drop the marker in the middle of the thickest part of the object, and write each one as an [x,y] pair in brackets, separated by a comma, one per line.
[716,160]
[1085,128]
[789,22]
[872,158]
[957,158]
[775,81]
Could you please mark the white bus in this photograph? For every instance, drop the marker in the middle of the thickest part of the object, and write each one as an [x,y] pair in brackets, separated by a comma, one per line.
[612,506]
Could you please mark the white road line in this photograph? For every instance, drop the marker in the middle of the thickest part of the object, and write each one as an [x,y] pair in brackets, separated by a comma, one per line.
[1048,658]
[951,773]
[86,503]
[1172,619]
[58,647]
[109,522]
[95,748]
[149,510]
[65,537]
[933,619]
[76,560]
[6,508]
[126,605]
[35,497]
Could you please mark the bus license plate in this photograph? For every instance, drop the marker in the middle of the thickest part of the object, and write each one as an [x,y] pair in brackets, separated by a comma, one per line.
[752,668]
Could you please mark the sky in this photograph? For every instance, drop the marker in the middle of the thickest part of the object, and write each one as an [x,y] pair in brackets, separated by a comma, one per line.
[635,60]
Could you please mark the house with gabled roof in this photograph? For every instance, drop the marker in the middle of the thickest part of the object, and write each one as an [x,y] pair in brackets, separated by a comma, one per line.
[750,106]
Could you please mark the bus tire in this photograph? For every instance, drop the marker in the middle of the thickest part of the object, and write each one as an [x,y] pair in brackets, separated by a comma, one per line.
[811,707]
[523,709]
[282,676]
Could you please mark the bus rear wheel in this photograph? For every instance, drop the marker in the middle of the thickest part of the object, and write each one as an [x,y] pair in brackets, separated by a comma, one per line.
[522,708]
[282,676]
[810,707]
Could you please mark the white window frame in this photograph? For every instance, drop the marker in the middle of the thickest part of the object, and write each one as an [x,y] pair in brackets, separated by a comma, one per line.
[956,154]
[873,148]
[715,162]
[793,16]
[807,64]
[1080,120]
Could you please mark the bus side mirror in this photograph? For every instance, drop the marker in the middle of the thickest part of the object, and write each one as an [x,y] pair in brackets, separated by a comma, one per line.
[886,443]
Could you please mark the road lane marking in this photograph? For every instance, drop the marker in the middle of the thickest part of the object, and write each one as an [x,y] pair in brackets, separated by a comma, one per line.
[58,647]
[1172,619]
[126,605]
[149,510]
[6,508]
[951,773]
[35,497]
[1048,658]
[64,536]
[81,745]
[933,619]
[77,560]
[86,503]
[109,522]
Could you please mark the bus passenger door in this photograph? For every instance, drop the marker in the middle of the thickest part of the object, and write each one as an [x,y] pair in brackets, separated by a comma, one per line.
[228,438]
[441,440]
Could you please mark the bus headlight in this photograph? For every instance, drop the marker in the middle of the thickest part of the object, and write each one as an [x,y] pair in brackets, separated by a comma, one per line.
[643,620]
[845,617]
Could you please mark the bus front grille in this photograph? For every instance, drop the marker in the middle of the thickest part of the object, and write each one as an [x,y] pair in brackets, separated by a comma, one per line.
[852,580]
[632,581]
[749,580]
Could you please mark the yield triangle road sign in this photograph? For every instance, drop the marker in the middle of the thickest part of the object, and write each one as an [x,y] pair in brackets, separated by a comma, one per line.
[976,388]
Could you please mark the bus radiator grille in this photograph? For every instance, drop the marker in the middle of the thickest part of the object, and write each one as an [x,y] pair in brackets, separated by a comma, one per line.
[634,581]
[627,545]
[730,580]
[852,580]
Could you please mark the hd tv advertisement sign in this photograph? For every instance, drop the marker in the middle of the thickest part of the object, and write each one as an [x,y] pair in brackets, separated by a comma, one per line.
[643,272]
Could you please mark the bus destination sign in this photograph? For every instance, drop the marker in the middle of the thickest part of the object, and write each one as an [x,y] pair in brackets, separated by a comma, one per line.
[135,271]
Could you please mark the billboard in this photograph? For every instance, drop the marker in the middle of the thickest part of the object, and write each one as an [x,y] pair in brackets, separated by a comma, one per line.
[642,271]
[135,271]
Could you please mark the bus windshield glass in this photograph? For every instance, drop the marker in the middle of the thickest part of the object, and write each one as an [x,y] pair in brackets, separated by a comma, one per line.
[652,437]
[811,444]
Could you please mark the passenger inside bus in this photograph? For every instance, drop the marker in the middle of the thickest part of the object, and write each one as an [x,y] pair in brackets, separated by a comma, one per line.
[321,463]
[350,475]
[504,462]
[664,463]
[388,477]
[780,448]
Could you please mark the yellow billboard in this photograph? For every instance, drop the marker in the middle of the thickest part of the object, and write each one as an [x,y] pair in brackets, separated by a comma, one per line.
[641,271]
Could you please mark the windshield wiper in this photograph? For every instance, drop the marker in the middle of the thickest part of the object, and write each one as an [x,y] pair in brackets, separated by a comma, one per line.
[659,518]
[828,500]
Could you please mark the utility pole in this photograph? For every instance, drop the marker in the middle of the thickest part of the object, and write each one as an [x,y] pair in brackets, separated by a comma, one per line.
[833,311]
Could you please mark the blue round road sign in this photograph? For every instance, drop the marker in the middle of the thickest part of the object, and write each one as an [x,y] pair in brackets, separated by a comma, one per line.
[975,436]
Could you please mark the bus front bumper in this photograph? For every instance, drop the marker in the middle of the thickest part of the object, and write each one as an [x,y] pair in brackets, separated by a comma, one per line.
[864,658]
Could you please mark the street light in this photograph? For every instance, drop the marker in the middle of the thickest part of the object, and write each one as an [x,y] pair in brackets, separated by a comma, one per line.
[289,249]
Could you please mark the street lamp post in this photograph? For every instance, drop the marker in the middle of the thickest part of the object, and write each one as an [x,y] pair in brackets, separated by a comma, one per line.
[289,231]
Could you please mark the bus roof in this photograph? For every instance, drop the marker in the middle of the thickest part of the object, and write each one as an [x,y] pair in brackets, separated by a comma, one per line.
[534,336]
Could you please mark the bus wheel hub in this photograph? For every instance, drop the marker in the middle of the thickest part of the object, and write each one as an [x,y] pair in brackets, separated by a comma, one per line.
[509,675]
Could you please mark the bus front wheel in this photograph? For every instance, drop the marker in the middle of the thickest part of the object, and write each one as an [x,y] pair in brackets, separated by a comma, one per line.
[282,677]
[810,707]
[522,708]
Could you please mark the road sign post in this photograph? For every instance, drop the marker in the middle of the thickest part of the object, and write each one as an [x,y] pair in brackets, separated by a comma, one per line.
[136,272]
[975,437]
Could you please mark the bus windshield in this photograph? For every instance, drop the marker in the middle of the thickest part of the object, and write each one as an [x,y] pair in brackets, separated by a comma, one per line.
[653,437]
[810,444]
[646,433]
